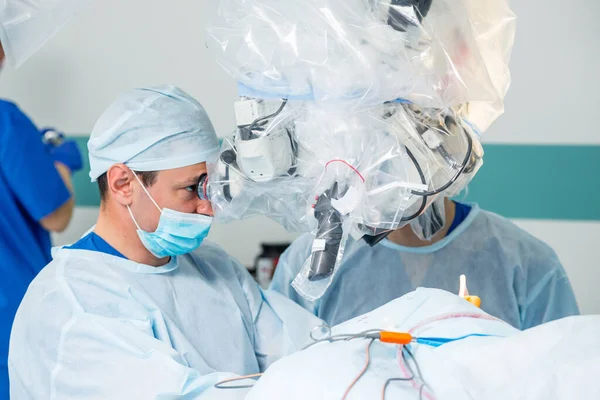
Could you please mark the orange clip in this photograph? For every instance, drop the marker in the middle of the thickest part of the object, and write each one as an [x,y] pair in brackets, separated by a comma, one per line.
[395,337]
[464,292]
[475,300]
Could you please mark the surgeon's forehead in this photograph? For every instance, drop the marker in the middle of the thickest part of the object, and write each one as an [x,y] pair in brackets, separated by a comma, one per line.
[189,174]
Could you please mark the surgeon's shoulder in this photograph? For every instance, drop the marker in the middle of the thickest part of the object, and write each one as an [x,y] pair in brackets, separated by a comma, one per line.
[513,237]
[8,106]
[80,281]
[8,110]
[47,295]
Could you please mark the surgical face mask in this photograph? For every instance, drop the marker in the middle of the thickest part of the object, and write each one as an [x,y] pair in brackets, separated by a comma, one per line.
[177,233]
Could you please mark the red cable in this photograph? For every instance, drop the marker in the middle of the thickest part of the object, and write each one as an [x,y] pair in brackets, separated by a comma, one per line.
[350,166]
[362,372]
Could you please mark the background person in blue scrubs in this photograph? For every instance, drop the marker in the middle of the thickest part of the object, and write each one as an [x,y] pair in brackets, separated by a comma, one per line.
[35,199]
[518,277]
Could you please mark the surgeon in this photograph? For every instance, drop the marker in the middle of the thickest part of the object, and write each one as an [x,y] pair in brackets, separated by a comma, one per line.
[143,307]
[519,278]
[35,199]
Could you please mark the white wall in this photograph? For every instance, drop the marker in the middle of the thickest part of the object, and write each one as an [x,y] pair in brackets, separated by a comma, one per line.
[555,85]
[114,45]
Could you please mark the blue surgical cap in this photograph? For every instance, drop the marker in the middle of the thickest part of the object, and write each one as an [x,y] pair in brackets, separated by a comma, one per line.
[152,129]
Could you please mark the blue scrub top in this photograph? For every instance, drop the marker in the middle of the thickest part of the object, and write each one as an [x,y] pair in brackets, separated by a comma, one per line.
[460,214]
[520,278]
[30,189]
[93,242]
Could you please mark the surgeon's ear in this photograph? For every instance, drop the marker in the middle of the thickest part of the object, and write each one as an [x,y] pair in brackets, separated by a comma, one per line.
[120,183]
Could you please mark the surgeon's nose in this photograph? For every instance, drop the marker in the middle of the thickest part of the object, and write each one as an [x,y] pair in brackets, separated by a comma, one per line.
[205,208]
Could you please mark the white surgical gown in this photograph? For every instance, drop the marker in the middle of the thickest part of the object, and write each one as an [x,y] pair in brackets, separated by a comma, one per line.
[96,326]
[519,278]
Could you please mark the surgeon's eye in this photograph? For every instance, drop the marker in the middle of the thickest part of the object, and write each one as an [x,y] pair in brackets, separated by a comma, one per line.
[192,188]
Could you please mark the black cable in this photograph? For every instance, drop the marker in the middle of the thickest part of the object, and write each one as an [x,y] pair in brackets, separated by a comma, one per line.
[455,177]
[405,351]
[423,181]
[372,334]
[449,160]
[372,240]
[344,337]
[220,386]
[257,121]
[421,389]
[394,380]
[419,375]
[416,214]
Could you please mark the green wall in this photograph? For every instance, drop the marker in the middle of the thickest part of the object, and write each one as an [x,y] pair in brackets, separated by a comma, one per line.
[517,181]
